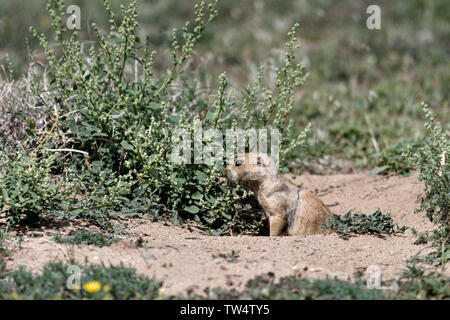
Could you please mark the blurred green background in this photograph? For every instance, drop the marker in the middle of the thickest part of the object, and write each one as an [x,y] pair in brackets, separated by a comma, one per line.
[364,86]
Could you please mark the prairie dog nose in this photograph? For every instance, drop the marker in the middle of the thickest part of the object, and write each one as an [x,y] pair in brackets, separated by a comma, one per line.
[231,176]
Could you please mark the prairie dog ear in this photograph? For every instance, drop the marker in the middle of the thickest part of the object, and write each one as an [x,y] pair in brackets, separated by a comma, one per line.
[254,158]
[266,162]
[263,160]
[259,161]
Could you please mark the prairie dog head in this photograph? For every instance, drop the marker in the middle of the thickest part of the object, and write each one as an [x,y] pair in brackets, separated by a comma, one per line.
[251,170]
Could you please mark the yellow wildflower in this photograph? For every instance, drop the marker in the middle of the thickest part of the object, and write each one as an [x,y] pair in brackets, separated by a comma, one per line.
[92,286]
[160,293]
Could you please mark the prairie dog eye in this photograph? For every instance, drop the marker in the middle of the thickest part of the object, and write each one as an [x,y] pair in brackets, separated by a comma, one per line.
[239,162]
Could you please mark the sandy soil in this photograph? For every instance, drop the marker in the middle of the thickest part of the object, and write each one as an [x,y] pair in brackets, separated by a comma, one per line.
[185,259]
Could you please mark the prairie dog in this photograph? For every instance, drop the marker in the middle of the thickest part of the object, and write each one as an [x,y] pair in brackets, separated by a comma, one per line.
[290,211]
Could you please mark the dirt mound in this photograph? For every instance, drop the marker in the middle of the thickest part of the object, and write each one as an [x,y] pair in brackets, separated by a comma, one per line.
[190,260]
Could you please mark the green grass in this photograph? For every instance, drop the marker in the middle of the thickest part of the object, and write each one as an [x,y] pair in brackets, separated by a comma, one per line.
[124,283]
[265,287]
[52,283]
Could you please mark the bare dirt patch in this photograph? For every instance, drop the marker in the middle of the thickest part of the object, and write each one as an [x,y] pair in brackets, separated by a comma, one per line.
[191,260]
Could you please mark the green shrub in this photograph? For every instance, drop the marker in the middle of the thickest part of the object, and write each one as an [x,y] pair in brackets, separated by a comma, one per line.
[432,161]
[100,194]
[86,237]
[107,102]
[392,159]
[26,188]
[360,223]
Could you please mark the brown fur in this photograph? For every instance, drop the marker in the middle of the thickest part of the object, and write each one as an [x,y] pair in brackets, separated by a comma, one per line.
[289,210]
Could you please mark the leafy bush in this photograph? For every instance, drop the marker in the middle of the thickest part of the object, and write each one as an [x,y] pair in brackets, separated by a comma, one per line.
[86,237]
[26,188]
[432,160]
[376,223]
[110,105]
[100,194]
[392,159]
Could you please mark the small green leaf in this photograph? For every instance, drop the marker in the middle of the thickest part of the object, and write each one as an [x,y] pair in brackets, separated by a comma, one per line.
[197,196]
[226,215]
[154,106]
[378,170]
[174,118]
[192,209]
[127,146]
[211,116]
[201,176]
